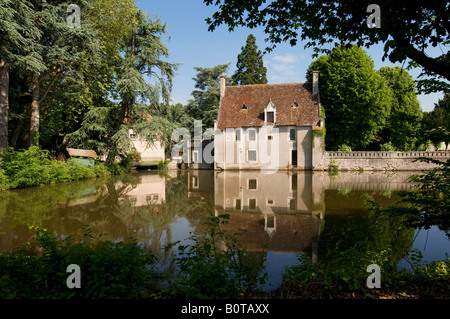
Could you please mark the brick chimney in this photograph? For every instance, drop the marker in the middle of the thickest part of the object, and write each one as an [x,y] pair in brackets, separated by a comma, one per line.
[315,93]
[222,85]
[315,83]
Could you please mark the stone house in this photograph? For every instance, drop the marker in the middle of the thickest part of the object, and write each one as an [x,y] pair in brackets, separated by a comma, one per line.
[269,126]
[147,152]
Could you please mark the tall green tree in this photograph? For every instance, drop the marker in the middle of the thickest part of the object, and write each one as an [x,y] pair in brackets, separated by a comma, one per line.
[65,106]
[250,65]
[142,106]
[409,29]
[18,50]
[64,49]
[402,127]
[355,97]
[205,103]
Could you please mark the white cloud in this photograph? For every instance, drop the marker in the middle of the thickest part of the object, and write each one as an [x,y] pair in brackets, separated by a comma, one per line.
[286,58]
[284,68]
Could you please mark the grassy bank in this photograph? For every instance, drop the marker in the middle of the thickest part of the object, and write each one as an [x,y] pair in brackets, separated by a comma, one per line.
[35,167]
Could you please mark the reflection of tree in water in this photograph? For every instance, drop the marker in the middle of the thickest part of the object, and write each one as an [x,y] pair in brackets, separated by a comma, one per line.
[102,205]
[195,210]
[360,231]
[37,206]
[116,216]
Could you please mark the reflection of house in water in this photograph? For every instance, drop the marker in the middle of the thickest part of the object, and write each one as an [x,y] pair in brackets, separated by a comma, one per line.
[275,210]
[200,184]
[150,190]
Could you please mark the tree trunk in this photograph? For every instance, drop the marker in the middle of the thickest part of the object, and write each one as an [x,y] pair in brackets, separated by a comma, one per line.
[34,123]
[4,104]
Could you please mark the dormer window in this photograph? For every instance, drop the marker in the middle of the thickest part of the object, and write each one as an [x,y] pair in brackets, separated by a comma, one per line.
[295,105]
[270,115]
[244,107]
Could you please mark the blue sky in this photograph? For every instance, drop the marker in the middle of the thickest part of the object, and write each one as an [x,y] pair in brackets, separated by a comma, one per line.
[192,45]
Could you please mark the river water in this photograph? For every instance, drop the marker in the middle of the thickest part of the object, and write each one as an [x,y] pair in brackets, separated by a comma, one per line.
[277,214]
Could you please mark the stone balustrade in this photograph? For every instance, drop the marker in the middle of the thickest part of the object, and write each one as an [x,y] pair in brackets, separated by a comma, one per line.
[379,160]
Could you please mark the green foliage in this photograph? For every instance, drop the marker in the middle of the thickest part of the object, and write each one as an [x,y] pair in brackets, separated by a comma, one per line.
[348,245]
[333,168]
[108,269]
[387,147]
[205,103]
[409,29]
[250,65]
[356,99]
[349,275]
[214,265]
[403,125]
[34,167]
[127,270]
[435,124]
[143,106]
[4,182]
[163,165]
[344,148]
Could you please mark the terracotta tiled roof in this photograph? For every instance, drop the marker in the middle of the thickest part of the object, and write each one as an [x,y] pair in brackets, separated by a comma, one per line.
[81,153]
[256,98]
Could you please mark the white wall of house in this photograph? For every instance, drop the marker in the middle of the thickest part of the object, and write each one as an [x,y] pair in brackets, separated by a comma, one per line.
[267,147]
[149,153]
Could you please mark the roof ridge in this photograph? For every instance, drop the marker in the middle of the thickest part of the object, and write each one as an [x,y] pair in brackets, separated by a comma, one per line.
[267,84]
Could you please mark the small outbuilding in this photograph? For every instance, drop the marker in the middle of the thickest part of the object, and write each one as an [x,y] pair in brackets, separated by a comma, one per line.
[84,157]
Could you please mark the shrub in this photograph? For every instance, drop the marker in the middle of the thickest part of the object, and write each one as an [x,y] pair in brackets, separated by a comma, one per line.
[333,168]
[344,148]
[108,270]
[387,147]
[163,165]
[34,167]
[4,182]
[208,271]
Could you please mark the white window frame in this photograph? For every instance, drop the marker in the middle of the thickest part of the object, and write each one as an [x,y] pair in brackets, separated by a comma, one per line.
[289,134]
[248,184]
[267,117]
[237,133]
[248,156]
[270,108]
[252,130]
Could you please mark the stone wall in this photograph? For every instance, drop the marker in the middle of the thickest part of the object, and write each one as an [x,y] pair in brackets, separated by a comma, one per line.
[378,161]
